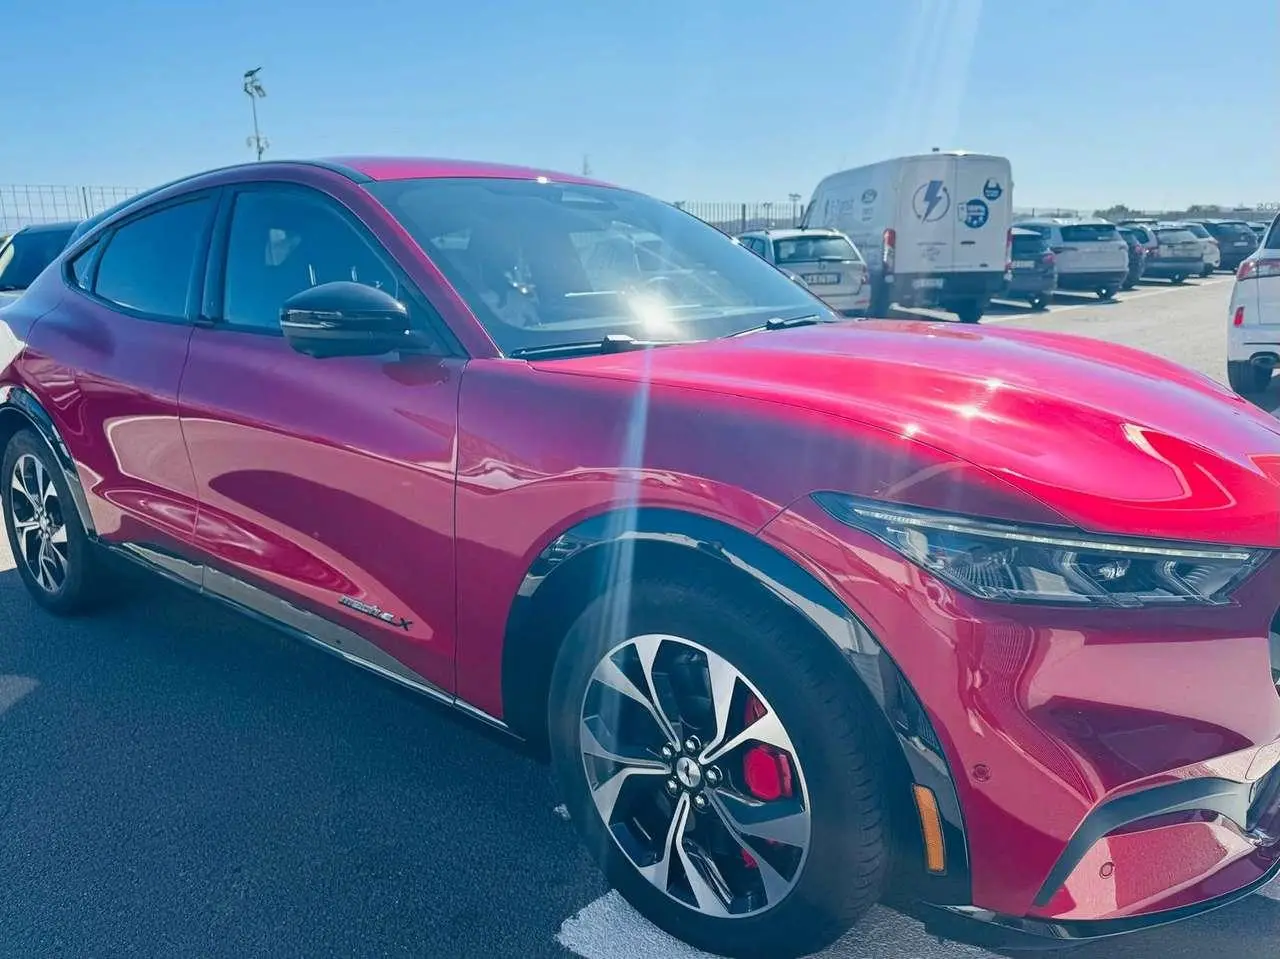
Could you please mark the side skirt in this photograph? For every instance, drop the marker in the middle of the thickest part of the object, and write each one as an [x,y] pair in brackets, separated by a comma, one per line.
[295,622]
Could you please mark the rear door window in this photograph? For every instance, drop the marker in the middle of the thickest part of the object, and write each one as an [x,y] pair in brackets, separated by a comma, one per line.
[1175,236]
[149,263]
[1028,247]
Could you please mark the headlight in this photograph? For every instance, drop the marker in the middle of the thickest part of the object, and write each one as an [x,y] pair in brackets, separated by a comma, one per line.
[1047,564]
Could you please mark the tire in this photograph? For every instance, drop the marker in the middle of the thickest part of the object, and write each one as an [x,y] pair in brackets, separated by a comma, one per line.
[881,301]
[1106,292]
[68,576]
[1247,378]
[1038,303]
[969,311]
[833,767]
[1177,279]
[1207,271]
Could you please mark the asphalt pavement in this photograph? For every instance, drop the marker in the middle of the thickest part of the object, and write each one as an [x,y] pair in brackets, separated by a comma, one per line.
[177,781]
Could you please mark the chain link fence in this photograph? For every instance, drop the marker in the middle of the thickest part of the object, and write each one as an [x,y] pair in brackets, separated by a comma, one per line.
[25,203]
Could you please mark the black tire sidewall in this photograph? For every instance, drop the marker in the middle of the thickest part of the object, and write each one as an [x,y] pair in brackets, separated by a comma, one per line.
[848,855]
[75,590]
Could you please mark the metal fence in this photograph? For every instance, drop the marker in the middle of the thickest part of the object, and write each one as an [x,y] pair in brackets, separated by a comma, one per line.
[24,204]
[736,217]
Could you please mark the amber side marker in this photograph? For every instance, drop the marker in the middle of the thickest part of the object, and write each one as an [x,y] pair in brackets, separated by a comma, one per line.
[935,853]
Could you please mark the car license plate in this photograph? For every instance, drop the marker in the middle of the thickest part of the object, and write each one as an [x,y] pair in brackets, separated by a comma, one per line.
[821,279]
[927,283]
[1023,264]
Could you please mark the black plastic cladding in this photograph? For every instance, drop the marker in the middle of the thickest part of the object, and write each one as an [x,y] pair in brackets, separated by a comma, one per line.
[18,400]
[595,540]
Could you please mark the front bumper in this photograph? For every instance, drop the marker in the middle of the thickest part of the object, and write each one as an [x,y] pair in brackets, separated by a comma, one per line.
[990,930]
[1111,768]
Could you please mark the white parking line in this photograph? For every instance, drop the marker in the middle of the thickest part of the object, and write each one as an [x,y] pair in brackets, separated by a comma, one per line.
[1127,298]
[610,929]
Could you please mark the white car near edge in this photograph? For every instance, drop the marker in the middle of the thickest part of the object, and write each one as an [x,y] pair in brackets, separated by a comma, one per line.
[1253,318]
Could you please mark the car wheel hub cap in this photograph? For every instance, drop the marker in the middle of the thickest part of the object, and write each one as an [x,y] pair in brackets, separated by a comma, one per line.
[35,514]
[666,729]
[688,772]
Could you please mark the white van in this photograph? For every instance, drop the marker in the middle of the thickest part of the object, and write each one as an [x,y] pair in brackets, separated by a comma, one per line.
[934,228]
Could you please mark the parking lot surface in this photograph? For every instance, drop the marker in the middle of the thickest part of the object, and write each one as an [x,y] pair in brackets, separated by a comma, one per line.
[175,780]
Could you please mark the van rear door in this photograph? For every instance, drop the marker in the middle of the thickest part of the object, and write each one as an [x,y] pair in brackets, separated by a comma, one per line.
[926,215]
[983,214]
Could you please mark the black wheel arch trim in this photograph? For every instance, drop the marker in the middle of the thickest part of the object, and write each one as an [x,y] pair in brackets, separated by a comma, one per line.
[596,539]
[19,400]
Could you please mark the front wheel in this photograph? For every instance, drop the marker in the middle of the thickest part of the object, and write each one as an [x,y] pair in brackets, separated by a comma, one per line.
[1206,271]
[719,768]
[968,312]
[1106,292]
[57,562]
[1038,303]
[1177,279]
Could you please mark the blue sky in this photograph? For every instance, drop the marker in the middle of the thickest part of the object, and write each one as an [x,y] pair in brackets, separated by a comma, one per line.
[1149,102]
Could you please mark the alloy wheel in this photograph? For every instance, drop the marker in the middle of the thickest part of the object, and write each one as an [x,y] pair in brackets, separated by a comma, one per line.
[695,776]
[39,526]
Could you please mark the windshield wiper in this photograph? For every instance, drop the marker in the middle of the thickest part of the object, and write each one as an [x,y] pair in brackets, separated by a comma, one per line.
[613,343]
[783,323]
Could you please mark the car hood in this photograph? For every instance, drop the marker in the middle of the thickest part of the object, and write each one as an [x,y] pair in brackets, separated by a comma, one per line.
[1110,438]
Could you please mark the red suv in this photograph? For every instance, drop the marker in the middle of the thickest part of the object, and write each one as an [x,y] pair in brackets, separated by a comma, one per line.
[804,611]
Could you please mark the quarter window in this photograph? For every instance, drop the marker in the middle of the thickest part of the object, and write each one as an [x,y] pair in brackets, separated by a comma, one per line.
[282,243]
[148,263]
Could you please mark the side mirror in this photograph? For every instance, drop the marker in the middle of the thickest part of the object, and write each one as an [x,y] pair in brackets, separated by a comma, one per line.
[345,319]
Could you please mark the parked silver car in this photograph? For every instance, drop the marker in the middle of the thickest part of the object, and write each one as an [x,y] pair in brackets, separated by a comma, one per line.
[825,259]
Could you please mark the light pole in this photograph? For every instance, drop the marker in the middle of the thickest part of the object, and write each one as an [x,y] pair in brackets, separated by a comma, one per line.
[253,88]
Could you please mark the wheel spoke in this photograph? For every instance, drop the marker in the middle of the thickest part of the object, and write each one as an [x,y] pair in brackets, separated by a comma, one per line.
[775,884]
[708,899]
[59,536]
[42,567]
[723,681]
[605,795]
[592,746]
[21,527]
[777,821]
[767,729]
[20,486]
[609,673]
[659,872]
[647,648]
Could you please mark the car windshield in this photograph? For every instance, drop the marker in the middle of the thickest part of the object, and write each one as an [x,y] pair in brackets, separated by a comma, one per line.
[808,249]
[1196,230]
[543,263]
[27,253]
[1089,233]
[1175,235]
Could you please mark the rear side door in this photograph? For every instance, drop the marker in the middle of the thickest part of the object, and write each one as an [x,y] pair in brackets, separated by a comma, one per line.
[983,193]
[325,485]
[109,360]
[926,213]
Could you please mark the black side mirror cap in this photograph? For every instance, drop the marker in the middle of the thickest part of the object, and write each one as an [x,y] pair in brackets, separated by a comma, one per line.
[346,319]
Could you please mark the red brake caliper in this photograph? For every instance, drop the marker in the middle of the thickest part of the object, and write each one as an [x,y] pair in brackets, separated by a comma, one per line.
[766,771]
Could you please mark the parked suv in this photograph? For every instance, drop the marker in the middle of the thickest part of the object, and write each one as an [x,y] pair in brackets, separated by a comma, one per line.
[1178,253]
[1235,238]
[826,260]
[797,607]
[28,251]
[1034,275]
[1210,252]
[1135,237]
[1091,255]
[1253,334]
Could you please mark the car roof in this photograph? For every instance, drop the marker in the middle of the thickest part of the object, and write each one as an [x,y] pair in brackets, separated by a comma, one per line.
[1065,221]
[59,226]
[791,232]
[409,168]
[1022,231]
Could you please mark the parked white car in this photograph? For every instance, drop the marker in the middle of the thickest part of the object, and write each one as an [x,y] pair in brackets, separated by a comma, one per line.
[1092,255]
[826,260]
[1210,252]
[1253,331]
